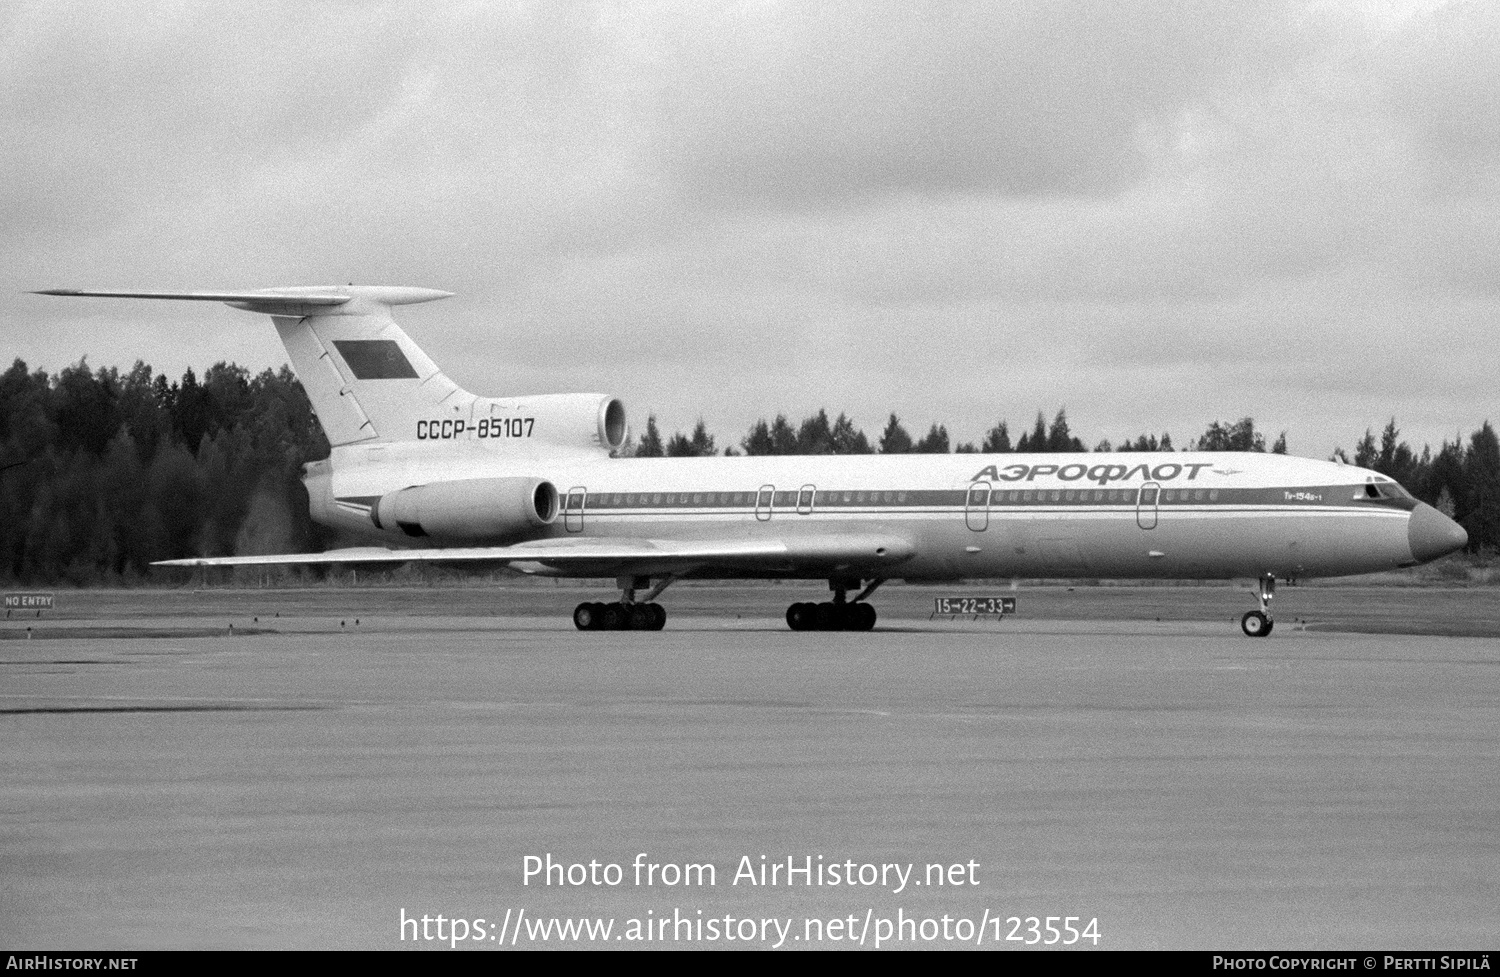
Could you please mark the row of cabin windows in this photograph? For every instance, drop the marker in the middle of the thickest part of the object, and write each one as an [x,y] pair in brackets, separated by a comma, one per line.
[1096,495]
[828,498]
[745,499]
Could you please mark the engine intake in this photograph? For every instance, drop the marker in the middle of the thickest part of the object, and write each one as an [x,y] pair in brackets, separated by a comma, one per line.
[569,420]
[471,509]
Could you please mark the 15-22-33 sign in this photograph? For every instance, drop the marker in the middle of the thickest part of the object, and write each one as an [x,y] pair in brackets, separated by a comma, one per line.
[973,605]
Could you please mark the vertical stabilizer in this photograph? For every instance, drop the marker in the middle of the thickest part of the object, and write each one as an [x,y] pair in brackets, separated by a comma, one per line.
[365,377]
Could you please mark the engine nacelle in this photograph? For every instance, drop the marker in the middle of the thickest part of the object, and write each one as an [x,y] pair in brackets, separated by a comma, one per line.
[473,509]
[569,420]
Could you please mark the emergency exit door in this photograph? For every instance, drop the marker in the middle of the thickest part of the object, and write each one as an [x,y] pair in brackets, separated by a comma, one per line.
[573,507]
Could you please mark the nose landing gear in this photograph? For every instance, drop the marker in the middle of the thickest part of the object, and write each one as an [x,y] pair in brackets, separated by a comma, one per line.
[1258,624]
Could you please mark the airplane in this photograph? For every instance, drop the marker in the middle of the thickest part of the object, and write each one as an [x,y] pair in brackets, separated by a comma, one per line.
[422,470]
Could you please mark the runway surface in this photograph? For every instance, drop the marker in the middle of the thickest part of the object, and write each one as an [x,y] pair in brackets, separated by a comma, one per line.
[305,785]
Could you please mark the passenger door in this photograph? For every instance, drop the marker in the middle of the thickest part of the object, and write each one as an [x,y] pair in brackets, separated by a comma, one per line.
[977,507]
[1146,505]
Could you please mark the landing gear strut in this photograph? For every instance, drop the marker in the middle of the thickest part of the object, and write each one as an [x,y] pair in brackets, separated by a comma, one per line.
[625,614]
[840,614]
[1258,624]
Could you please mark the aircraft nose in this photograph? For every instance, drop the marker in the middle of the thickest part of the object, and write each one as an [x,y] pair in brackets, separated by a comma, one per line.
[1432,534]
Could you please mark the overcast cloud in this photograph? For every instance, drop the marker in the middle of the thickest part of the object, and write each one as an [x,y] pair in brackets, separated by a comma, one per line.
[1158,214]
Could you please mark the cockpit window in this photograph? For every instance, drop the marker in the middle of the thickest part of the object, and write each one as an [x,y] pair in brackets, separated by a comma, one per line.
[1381,490]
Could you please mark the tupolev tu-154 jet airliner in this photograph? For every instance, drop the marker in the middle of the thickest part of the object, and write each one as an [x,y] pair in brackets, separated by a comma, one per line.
[423,470]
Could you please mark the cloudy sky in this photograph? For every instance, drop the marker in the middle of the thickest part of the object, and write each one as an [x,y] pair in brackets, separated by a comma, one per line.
[1156,214]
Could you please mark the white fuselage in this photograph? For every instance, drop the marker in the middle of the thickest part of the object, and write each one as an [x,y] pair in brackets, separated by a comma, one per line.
[1171,515]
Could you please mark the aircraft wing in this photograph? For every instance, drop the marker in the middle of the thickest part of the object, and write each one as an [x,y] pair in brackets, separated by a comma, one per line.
[608,556]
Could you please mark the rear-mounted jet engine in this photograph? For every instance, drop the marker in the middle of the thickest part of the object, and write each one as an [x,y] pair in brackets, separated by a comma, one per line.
[469,510]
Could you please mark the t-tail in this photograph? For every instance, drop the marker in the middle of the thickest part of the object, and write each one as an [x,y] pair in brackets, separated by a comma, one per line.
[369,383]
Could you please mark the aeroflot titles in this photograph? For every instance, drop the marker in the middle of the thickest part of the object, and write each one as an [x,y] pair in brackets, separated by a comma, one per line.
[1099,474]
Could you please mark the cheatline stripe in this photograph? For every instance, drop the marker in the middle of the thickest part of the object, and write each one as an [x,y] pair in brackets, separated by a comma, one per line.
[958,516]
[1298,497]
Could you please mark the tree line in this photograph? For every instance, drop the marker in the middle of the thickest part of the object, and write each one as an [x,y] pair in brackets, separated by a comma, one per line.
[102,472]
[817,435]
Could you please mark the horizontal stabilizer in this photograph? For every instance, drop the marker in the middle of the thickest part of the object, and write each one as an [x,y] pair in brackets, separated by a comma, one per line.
[298,301]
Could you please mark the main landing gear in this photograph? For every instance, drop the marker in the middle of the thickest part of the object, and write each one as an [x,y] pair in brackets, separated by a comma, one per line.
[619,616]
[1258,624]
[839,614]
[625,614]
